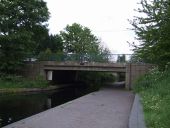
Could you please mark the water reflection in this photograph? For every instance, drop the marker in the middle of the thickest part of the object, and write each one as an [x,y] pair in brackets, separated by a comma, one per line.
[16,107]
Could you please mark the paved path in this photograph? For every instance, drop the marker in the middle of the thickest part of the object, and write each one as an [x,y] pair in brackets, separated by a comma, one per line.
[108,108]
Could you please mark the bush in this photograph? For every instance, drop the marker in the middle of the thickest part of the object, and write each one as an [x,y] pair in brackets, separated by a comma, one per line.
[14,81]
[149,80]
[12,78]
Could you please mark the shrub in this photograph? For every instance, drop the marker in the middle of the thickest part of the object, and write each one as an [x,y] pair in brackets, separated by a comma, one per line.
[154,88]
[14,81]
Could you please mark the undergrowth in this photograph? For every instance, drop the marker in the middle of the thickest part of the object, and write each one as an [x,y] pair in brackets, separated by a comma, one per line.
[14,81]
[154,89]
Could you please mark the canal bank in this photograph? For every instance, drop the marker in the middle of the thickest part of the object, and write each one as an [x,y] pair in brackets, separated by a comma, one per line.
[17,106]
[24,90]
[107,108]
[30,90]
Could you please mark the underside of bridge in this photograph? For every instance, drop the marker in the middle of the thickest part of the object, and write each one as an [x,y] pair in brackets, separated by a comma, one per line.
[63,77]
[72,77]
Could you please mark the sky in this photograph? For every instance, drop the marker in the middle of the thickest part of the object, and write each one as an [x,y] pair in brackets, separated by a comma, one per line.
[108,20]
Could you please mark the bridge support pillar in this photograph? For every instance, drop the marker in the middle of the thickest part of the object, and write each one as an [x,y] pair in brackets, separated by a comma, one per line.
[128,77]
[49,75]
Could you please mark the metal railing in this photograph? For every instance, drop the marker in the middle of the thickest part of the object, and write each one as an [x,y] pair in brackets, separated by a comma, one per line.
[85,58]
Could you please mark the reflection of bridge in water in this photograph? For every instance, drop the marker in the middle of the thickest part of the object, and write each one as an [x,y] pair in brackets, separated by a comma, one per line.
[72,62]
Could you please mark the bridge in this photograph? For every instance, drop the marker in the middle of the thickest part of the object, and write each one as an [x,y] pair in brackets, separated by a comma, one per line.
[113,63]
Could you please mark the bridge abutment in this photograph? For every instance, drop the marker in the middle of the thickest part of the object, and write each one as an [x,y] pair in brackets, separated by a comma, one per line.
[134,71]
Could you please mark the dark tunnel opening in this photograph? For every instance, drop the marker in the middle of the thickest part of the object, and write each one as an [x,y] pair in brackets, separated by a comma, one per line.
[73,78]
[64,77]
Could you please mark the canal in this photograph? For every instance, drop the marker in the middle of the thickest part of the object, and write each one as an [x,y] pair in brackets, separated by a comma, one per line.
[14,107]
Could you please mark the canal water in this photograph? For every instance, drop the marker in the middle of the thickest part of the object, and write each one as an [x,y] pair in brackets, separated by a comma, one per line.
[14,107]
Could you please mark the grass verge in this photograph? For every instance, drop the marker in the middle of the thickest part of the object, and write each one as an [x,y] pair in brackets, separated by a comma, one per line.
[13,82]
[154,89]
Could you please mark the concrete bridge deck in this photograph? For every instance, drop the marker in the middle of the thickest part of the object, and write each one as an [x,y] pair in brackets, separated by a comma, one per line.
[108,108]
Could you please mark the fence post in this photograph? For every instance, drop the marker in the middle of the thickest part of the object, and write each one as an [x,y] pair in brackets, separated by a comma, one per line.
[128,76]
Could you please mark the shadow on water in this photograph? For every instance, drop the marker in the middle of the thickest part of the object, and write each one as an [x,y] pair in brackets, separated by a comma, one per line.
[14,107]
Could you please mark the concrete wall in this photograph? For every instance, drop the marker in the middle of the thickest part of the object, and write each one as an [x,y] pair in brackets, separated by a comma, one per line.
[33,69]
[134,71]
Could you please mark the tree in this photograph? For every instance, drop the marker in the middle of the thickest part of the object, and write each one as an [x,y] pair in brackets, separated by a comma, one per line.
[104,54]
[52,42]
[21,24]
[79,40]
[121,58]
[153,29]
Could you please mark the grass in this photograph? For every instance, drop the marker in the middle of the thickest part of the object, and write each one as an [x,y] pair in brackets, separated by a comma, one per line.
[13,82]
[154,89]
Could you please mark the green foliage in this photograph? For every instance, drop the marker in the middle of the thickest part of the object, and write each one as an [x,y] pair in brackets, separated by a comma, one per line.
[49,56]
[154,89]
[104,54]
[14,81]
[11,78]
[78,39]
[22,25]
[39,82]
[149,79]
[52,42]
[121,58]
[152,28]
[12,50]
